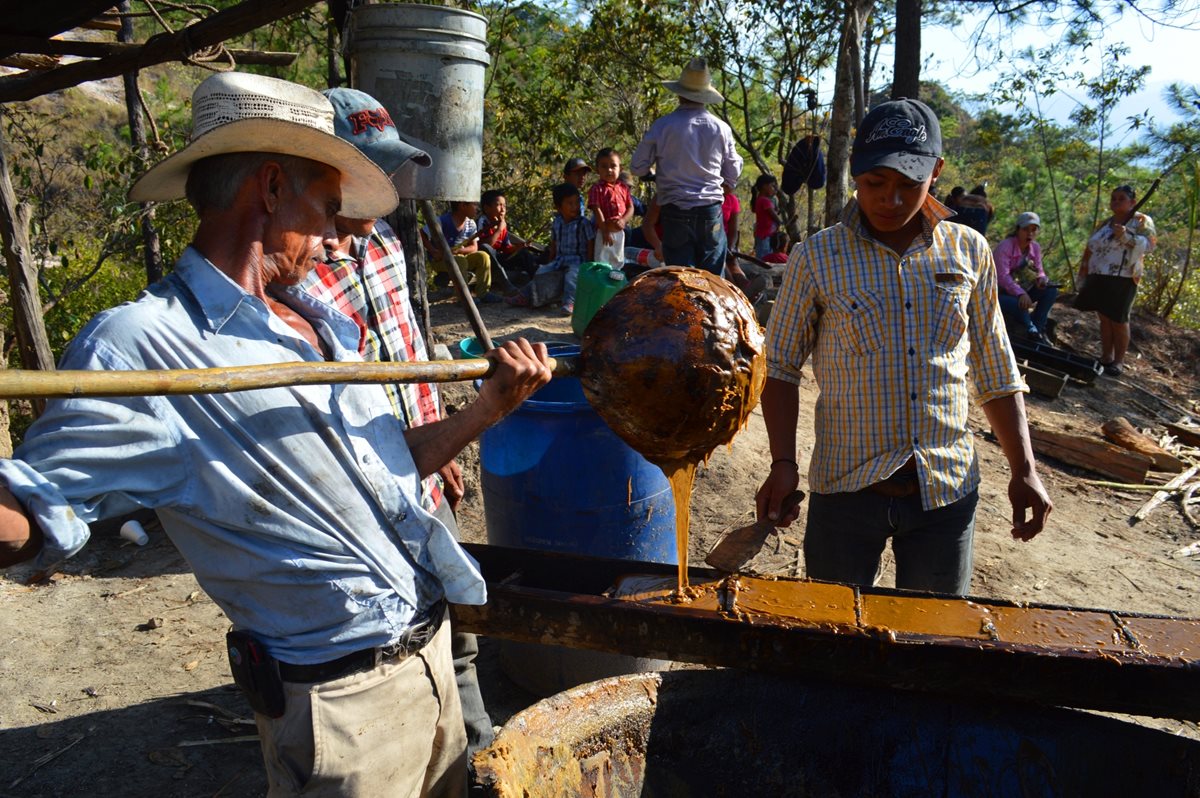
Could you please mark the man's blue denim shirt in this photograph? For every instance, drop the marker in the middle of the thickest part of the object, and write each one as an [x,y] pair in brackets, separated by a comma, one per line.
[298,508]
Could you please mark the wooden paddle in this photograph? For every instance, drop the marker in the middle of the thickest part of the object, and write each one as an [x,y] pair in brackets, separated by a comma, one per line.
[737,547]
[20,384]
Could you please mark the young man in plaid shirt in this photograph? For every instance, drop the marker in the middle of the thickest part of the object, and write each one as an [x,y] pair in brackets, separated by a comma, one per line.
[366,280]
[896,308]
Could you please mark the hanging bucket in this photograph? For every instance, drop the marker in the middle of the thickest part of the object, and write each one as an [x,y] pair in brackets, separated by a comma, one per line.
[426,65]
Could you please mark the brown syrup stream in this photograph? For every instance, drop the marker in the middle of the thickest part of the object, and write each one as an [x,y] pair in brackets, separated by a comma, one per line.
[681,474]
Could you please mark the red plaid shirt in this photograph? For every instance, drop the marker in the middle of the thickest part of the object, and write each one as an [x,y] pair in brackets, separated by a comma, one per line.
[369,285]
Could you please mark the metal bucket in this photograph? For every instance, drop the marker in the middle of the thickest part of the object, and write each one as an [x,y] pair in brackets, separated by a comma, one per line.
[426,65]
[731,732]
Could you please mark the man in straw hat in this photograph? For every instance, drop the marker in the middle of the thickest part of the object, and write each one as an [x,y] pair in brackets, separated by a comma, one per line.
[365,277]
[298,508]
[692,154]
[896,308]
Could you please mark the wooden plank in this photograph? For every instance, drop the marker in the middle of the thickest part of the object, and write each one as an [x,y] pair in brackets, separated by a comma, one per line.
[1122,433]
[1047,383]
[1094,455]
[242,18]
[558,599]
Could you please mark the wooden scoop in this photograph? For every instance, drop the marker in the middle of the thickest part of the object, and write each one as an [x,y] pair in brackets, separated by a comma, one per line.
[738,547]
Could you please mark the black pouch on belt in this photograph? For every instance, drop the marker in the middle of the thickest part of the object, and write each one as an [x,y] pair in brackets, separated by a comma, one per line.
[256,672]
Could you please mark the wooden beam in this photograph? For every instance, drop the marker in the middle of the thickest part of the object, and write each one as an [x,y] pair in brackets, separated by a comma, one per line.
[1098,456]
[33,44]
[47,19]
[178,46]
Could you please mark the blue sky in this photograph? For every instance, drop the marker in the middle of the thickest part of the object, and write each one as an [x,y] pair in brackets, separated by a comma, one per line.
[1169,52]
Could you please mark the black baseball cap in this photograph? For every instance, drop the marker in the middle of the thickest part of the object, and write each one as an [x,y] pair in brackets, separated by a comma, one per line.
[900,134]
[575,163]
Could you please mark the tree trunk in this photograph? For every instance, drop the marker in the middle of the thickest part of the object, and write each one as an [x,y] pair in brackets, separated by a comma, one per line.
[406,224]
[22,277]
[844,115]
[6,445]
[906,78]
[151,247]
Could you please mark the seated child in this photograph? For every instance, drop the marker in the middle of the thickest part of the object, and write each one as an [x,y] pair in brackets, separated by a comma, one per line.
[611,205]
[571,240]
[779,249]
[511,255]
[461,232]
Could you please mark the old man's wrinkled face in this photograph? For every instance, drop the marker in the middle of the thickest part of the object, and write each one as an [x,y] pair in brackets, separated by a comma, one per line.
[302,227]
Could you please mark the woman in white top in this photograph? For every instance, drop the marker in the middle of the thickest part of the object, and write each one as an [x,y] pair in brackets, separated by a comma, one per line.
[1111,268]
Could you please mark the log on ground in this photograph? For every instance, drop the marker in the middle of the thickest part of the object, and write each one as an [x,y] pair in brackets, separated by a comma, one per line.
[1123,434]
[1094,455]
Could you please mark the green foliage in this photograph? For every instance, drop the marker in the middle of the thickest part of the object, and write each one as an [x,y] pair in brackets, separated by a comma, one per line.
[570,76]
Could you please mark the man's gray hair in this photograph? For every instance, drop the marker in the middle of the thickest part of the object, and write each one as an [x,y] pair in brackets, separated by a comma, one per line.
[213,182]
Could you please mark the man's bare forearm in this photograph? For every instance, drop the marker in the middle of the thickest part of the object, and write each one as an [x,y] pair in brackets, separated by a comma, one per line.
[1007,417]
[781,411]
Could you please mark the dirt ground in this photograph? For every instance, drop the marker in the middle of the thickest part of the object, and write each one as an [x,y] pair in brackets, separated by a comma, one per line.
[116,681]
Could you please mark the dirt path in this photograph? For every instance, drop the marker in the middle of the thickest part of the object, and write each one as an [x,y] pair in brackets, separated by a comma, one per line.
[115,668]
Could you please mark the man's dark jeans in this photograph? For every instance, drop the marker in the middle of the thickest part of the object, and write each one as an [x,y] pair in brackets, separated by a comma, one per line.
[846,533]
[694,237]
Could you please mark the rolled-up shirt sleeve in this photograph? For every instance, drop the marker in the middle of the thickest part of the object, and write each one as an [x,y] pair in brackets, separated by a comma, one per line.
[644,155]
[993,366]
[86,459]
[731,163]
[792,328]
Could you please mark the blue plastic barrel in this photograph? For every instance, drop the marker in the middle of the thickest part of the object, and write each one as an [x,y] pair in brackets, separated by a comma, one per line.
[556,478]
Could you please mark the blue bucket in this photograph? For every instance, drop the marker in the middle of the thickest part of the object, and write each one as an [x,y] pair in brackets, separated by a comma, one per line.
[556,478]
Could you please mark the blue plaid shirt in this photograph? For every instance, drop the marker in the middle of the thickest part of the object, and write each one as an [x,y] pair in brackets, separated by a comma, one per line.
[571,238]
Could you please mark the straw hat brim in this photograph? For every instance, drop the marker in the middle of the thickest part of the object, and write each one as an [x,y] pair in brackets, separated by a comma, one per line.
[367,193]
[707,95]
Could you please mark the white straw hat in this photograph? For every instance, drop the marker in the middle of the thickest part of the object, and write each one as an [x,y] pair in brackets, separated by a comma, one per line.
[238,112]
[695,83]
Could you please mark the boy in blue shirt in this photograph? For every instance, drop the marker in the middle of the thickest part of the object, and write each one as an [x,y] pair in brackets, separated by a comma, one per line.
[572,236]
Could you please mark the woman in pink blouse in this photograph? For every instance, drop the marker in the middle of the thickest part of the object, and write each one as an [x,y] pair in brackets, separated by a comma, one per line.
[1026,295]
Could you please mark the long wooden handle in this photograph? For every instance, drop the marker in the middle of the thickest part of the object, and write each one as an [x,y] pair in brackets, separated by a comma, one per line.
[18,384]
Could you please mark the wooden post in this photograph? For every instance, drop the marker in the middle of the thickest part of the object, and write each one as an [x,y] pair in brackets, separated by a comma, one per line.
[406,224]
[151,248]
[26,302]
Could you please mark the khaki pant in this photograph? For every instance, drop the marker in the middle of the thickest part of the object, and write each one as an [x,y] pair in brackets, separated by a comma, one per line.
[396,730]
[477,263]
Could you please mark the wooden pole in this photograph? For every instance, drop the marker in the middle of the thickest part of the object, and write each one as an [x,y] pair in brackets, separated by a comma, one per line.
[151,248]
[435,229]
[125,46]
[19,383]
[32,340]
[178,46]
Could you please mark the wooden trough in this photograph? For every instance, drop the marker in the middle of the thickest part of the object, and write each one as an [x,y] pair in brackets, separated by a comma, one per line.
[1051,655]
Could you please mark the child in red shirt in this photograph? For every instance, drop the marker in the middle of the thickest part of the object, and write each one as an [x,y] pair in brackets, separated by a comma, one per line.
[612,208]
[766,217]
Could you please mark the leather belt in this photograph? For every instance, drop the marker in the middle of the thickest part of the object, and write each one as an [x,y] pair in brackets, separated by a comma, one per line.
[412,640]
[902,483]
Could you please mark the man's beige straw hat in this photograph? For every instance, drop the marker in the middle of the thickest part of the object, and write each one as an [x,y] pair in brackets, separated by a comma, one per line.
[238,112]
[695,83]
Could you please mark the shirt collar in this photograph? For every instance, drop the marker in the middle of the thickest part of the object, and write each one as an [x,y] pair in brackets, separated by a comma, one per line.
[932,213]
[219,298]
